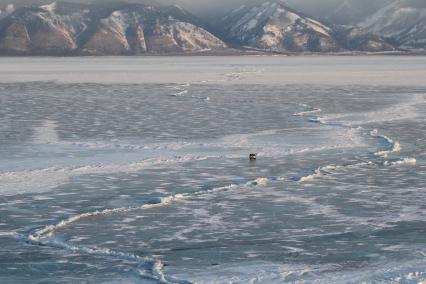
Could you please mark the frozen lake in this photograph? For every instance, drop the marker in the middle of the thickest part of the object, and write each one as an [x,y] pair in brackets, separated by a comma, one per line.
[136,170]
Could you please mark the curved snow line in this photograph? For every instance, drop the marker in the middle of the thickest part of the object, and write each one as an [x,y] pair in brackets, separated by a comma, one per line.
[395,146]
[41,180]
[48,231]
[311,110]
[45,235]
[44,179]
[321,171]
[152,265]
[327,170]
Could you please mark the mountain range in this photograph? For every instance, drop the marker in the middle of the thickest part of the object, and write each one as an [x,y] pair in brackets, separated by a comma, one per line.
[271,25]
[122,28]
[402,21]
[114,29]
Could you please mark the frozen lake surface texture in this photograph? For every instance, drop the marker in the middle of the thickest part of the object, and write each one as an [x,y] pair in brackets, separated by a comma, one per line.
[136,170]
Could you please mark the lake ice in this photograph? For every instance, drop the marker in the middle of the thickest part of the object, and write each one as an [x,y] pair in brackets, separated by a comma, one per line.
[124,170]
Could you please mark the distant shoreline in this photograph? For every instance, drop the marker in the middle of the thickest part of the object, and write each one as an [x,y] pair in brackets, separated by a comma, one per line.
[231,52]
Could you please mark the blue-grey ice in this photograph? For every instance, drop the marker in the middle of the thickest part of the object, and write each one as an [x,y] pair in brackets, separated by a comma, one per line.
[137,178]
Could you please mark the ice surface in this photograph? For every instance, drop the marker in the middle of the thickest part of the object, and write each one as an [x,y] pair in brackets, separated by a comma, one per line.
[150,181]
[278,70]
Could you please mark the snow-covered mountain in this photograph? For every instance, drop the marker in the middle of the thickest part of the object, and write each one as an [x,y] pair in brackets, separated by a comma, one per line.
[271,25]
[117,28]
[351,12]
[403,20]
[114,29]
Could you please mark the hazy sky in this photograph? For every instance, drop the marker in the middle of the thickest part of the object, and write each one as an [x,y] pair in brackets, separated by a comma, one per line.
[205,5]
[319,8]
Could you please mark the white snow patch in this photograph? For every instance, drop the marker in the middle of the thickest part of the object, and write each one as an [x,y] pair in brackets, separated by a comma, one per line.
[8,234]
[194,38]
[10,8]
[262,181]
[402,162]
[318,27]
[252,24]
[50,7]
[273,35]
